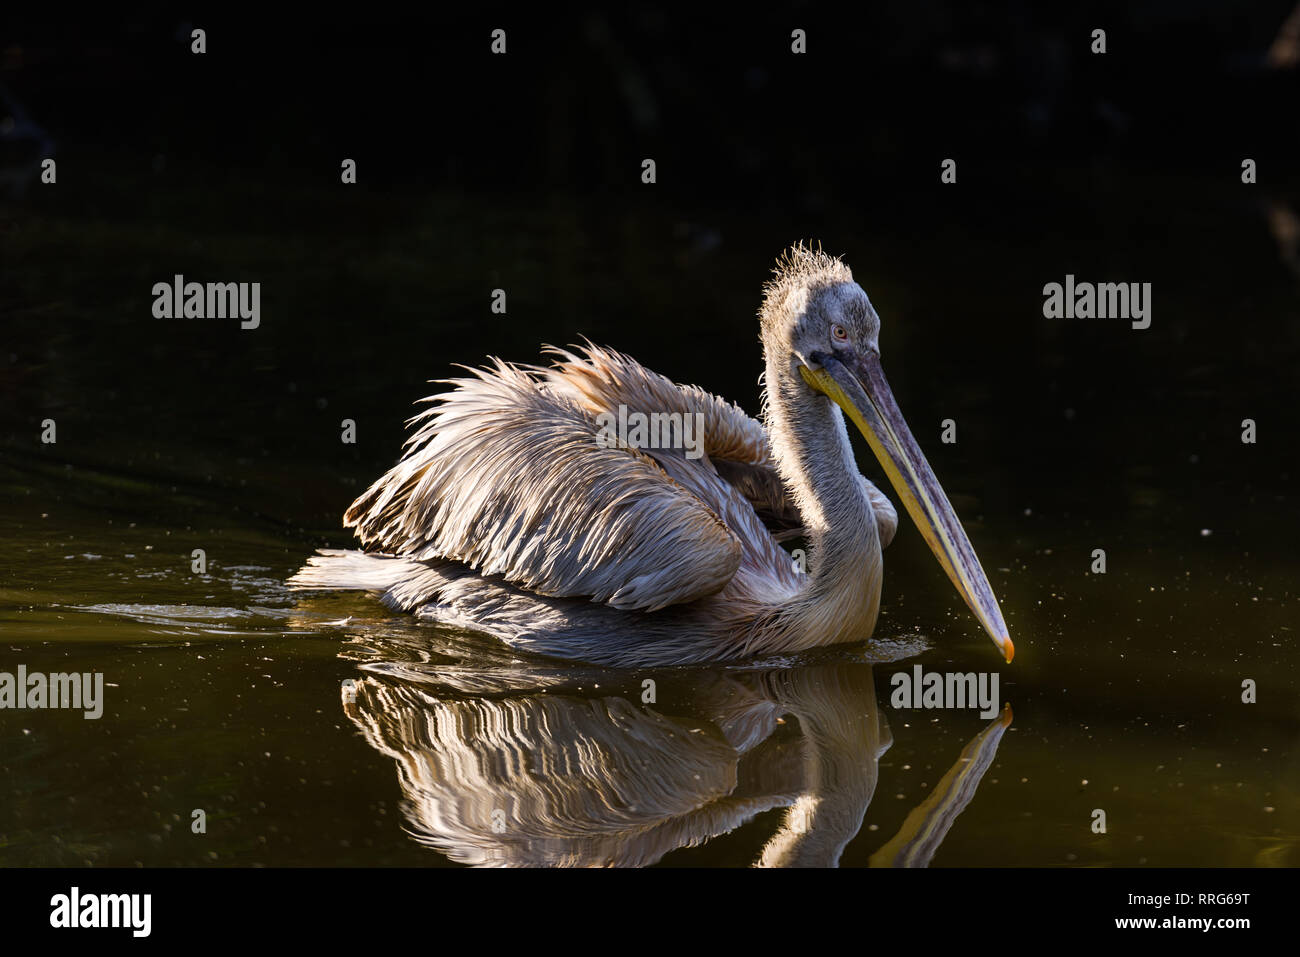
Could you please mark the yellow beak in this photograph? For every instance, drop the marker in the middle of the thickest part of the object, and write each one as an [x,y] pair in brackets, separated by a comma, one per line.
[857,385]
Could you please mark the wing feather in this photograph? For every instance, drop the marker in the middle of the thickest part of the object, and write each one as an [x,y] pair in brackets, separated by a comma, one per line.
[605,379]
[601,379]
[507,477]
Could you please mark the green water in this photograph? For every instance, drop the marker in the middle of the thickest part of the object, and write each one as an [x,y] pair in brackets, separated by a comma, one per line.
[225,691]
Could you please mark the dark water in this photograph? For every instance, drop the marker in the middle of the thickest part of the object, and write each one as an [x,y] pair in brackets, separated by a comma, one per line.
[326,730]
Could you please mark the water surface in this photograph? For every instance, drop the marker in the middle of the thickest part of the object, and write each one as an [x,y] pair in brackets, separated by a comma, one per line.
[324,729]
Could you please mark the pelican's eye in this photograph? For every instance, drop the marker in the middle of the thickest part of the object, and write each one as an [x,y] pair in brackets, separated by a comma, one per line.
[840,333]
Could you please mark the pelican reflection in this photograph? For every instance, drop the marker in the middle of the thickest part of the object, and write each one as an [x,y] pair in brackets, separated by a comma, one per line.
[551,767]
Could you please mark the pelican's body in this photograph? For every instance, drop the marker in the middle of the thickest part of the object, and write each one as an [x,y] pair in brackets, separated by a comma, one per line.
[511,513]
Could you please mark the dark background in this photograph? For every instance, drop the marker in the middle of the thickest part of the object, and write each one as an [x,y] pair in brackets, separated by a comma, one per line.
[523,172]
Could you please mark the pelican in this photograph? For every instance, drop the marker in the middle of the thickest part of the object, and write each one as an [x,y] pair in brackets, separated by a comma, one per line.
[509,514]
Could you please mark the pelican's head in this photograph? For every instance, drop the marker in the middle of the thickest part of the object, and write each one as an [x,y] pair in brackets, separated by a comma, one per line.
[820,322]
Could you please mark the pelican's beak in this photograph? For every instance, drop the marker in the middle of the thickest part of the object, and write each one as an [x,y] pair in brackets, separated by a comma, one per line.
[857,384]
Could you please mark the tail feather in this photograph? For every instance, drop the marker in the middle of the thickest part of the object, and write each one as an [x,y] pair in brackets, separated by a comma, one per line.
[349,568]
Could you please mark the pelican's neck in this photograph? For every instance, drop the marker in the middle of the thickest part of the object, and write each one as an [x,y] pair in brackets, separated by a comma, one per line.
[815,460]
